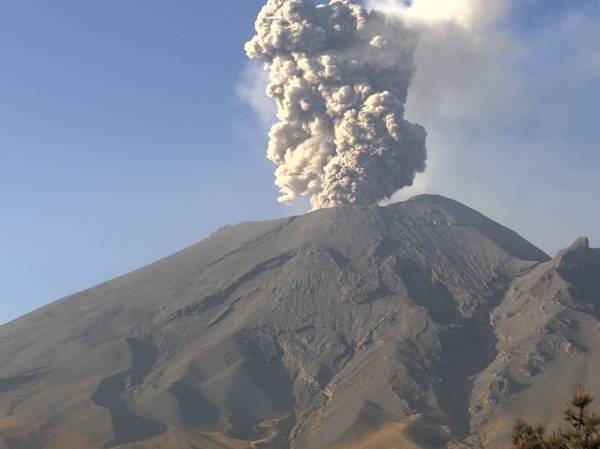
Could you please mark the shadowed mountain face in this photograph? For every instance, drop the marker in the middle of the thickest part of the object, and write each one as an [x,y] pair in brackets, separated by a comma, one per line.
[421,324]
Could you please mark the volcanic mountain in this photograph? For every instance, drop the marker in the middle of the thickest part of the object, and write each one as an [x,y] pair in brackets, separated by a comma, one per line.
[422,324]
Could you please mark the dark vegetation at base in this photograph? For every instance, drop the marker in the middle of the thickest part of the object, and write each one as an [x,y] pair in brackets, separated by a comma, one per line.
[583,428]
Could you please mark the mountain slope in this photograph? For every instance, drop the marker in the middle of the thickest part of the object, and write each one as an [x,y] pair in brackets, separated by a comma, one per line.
[422,323]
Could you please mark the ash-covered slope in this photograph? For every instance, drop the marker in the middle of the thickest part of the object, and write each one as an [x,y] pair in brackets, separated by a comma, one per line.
[419,324]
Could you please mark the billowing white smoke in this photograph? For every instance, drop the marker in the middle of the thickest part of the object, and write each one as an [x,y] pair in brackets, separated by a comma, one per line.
[469,77]
[467,61]
[469,14]
[340,77]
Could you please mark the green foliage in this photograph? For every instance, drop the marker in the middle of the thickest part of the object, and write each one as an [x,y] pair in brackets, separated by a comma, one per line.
[583,429]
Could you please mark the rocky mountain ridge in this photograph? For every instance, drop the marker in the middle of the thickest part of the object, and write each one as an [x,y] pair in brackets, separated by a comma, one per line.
[421,324]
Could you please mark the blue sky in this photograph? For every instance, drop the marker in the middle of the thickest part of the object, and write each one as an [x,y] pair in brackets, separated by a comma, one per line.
[122,139]
[118,139]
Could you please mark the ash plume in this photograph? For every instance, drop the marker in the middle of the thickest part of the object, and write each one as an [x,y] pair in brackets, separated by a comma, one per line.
[339,76]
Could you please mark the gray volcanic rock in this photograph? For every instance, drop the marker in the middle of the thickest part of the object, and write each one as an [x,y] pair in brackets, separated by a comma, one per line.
[421,324]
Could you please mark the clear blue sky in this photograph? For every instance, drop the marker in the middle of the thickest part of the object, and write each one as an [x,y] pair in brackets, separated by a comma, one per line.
[122,139]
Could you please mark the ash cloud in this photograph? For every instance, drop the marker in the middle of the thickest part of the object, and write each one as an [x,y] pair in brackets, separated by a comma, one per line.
[339,76]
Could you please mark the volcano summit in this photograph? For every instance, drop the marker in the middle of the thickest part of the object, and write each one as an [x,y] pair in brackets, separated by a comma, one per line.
[422,324]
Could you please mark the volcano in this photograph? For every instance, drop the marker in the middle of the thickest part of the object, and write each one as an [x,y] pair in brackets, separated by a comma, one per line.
[422,324]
